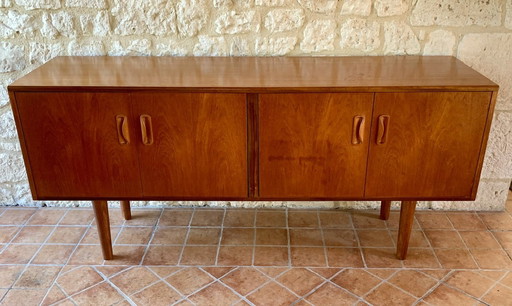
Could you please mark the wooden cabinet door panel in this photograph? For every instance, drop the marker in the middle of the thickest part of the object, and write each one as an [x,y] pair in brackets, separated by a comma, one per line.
[199,147]
[73,145]
[306,148]
[432,145]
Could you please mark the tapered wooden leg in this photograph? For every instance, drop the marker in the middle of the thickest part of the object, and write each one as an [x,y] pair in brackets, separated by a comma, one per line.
[125,207]
[385,207]
[404,231]
[103,224]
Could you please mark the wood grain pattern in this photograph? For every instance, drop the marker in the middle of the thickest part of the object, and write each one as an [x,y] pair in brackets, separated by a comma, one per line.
[260,74]
[407,210]
[432,147]
[199,145]
[103,226]
[306,145]
[72,145]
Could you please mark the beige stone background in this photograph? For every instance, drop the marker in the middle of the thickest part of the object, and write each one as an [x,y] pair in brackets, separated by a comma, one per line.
[479,32]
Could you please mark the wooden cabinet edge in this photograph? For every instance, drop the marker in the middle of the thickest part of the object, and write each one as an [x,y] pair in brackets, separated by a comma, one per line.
[24,151]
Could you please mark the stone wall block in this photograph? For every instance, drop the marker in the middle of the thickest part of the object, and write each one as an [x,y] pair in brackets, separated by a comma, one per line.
[136,47]
[239,47]
[279,46]
[273,2]
[40,53]
[97,4]
[170,48]
[138,17]
[280,20]
[13,23]
[5,3]
[491,195]
[213,46]
[60,23]
[7,126]
[12,168]
[234,22]
[360,34]
[357,7]
[440,42]
[491,55]
[498,157]
[192,16]
[508,17]
[39,4]
[399,39]
[390,7]
[319,6]
[86,48]
[97,25]
[319,36]
[456,13]
[12,57]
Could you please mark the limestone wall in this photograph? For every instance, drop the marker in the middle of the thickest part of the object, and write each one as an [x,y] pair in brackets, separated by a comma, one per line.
[479,32]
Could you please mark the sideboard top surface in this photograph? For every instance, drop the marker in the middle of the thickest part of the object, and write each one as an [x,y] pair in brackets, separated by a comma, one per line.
[255,74]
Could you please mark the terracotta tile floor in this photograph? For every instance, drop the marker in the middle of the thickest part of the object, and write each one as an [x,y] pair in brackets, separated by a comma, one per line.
[201,256]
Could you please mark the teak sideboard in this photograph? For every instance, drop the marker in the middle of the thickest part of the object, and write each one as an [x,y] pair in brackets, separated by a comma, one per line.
[403,128]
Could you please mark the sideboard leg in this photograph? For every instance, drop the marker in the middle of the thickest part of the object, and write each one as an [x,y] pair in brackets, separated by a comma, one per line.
[404,231]
[125,207]
[385,207]
[103,225]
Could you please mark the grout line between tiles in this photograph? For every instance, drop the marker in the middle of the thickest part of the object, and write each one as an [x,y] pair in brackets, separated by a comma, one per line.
[186,236]
[220,237]
[288,237]
[153,232]
[107,280]
[323,238]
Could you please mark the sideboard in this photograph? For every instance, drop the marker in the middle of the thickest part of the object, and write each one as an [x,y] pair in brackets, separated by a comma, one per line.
[402,128]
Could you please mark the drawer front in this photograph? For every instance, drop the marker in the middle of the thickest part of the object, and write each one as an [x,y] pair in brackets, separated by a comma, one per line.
[313,145]
[73,145]
[426,145]
[195,144]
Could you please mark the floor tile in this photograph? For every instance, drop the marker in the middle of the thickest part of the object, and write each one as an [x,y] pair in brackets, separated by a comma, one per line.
[239,218]
[444,239]
[305,237]
[142,217]
[308,257]
[91,235]
[214,294]
[67,234]
[394,221]
[78,217]
[238,236]
[480,240]
[421,258]
[499,295]
[507,281]
[199,255]
[188,280]
[436,220]
[17,216]
[78,279]
[375,238]
[325,272]
[29,297]
[170,235]
[218,272]
[270,256]
[18,253]
[207,217]
[368,220]
[303,219]
[497,220]
[273,271]
[87,255]
[37,277]
[504,238]
[54,295]
[175,217]
[417,239]
[164,271]
[414,282]
[329,294]
[271,236]
[56,254]
[339,237]
[126,255]
[162,255]
[33,234]
[492,259]
[203,236]
[466,221]
[356,281]
[470,282]
[271,218]
[47,216]
[235,256]
[272,294]
[381,258]
[444,295]
[9,274]
[335,219]
[344,257]
[386,294]
[244,280]
[455,259]
[8,232]
[300,281]
[155,294]
[134,235]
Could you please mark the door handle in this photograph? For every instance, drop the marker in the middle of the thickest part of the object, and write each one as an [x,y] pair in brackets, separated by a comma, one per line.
[382,131]
[358,130]
[146,128]
[123,134]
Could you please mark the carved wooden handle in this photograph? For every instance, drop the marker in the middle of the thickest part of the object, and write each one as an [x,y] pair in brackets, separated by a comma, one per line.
[382,133]
[123,134]
[358,130]
[147,129]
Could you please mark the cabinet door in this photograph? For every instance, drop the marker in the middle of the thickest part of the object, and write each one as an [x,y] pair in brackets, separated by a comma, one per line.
[429,145]
[313,145]
[196,144]
[73,144]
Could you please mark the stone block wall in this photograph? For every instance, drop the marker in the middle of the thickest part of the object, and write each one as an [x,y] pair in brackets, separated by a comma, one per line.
[479,32]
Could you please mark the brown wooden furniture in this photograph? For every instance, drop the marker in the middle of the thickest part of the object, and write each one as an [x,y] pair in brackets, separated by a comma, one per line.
[330,128]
